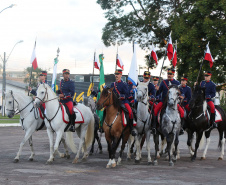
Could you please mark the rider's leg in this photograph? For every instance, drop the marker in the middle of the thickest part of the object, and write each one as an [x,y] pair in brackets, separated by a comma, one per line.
[212,115]
[181,111]
[72,116]
[133,132]
[156,110]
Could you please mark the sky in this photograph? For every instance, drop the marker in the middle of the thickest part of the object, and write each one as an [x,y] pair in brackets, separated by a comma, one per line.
[75,26]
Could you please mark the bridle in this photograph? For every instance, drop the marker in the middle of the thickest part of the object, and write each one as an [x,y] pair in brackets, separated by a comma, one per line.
[46,95]
[108,98]
[144,95]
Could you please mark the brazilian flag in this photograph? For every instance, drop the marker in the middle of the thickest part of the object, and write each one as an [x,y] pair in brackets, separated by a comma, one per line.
[101,84]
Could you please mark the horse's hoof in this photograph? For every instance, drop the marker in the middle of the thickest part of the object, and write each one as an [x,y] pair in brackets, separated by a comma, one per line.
[119,163]
[30,159]
[84,159]
[192,159]
[100,152]
[68,156]
[220,159]
[171,163]
[16,160]
[149,163]
[158,156]
[49,162]
[62,155]
[75,161]
[155,163]
[108,166]
[113,165]
[203,158]
[137,161]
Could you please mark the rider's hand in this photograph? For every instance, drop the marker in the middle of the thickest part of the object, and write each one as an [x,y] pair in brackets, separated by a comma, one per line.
[61,95]
[29,88]
[195,83]
[181,97]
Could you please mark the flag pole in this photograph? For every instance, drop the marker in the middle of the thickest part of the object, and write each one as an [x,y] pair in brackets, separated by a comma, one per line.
[31,71]
[116,59]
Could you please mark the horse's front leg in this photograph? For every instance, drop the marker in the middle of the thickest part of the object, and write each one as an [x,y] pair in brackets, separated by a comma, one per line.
[189,141]
[31,158]
[51,157]
[137,140]
[28,134]
[198,139]
[156,141]
[169,139]
[148,143]
[115,144]
[163,143]
[109,142]
[124,140]
[176,142]
[66,154]
[130,142]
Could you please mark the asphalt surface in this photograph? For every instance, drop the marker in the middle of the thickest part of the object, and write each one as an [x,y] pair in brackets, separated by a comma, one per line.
[93,171]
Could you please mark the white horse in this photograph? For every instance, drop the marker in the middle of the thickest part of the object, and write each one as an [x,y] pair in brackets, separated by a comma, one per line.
[30,119]
[54,123]
[143,120]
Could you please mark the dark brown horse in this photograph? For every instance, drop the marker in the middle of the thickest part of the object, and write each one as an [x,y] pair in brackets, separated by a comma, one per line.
[197,121]
[113,125]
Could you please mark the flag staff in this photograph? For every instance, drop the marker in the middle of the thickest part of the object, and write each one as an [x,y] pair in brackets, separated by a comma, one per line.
[116,59]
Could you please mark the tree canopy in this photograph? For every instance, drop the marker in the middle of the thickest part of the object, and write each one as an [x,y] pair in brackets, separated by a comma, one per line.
[193,23]
[34,77]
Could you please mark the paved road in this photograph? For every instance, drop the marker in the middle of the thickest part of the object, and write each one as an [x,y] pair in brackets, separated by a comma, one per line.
[93,170]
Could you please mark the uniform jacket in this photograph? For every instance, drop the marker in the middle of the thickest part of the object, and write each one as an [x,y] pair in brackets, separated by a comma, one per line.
[151,89]
[67,88]
[164,87]
[122,90]
[34,91]
[210,91]
[187,94]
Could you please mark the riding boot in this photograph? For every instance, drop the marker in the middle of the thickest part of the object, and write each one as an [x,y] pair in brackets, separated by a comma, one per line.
[182,127]
[72,121]
[133,132]
[212,120]
[155,118]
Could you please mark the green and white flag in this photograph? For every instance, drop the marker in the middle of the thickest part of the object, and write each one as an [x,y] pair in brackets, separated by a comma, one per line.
[100,113]
[54,75]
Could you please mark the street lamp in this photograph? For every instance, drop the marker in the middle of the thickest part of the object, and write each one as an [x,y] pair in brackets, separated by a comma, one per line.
[4,74]
[12,5]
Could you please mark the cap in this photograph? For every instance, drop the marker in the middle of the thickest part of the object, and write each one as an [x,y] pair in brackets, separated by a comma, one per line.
[147,74]
[66,71]
[155,78]
[184,78]
[118,71]
[171,71]
[208,73]
[43,73]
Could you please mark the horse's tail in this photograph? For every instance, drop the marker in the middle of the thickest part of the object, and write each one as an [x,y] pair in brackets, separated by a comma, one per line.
[70,142]
[90,133]
[201,144]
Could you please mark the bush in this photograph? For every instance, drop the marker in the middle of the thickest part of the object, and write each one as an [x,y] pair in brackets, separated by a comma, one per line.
[223,103]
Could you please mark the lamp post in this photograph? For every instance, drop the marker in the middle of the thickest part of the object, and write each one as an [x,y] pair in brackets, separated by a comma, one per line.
[4,75]
[12,5]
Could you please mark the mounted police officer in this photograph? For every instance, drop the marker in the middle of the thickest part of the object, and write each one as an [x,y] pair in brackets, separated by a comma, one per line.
[210,92]
[155,83]
[42,80]
[122,90]
[163,89]
[187,97]
[66,93]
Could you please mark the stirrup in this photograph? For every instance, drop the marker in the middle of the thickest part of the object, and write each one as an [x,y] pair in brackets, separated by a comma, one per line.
[153,131]
[133,132]
[181,131]
[72,128]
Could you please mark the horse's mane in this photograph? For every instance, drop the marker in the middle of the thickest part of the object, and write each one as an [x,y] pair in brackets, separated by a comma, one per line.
[166,99]
[115,98]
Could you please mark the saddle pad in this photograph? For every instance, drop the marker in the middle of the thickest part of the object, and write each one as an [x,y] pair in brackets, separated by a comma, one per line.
[40,113]
[218,116]
[79,117]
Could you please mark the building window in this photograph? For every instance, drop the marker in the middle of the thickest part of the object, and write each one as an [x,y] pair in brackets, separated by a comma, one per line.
[95,79]
[79,78]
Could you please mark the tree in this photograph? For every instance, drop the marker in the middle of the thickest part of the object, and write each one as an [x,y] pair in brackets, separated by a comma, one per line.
[193,24]
[34,78]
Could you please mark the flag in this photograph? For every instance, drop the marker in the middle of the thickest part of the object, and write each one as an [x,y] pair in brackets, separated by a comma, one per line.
[54,74]
[34,59]
[174,61]
[96,62]
[100,113]
[208,56]
[119,62]
[170,48]
[133,72]
[154,55]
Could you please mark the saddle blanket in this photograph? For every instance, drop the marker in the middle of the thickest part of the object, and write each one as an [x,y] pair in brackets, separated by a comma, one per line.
[218,116]
[79,117]
[124,121]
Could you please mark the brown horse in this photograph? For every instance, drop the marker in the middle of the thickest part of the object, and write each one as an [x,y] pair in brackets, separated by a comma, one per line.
[113,125]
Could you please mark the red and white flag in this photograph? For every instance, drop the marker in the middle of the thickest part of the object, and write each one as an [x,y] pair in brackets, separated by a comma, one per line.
[96,62]
[208,56]
[34,59]
[174,61]
[119,62]
[154,55]
[170,48]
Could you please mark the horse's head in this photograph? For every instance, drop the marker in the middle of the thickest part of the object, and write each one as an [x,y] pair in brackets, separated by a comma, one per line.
[42,95]
[198,97]
[142,91]
[10,104]
[173,95]
[106,98]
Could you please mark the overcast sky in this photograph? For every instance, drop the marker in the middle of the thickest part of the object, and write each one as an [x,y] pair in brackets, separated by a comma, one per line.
[75,26]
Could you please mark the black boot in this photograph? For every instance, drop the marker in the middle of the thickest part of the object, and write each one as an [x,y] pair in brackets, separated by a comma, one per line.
[72,121]
[155,120]
[182,127]
[212,120]
[133,132]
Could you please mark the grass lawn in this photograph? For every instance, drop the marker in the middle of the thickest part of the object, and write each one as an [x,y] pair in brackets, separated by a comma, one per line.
[5,119]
